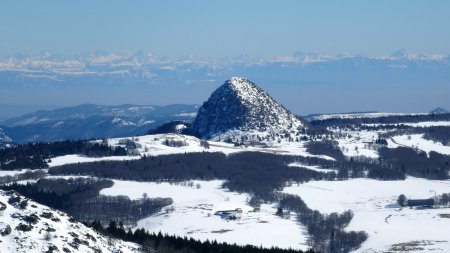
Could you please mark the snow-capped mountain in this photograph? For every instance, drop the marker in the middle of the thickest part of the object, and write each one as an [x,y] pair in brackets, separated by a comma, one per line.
[40,74]
[239,109]
[26,226]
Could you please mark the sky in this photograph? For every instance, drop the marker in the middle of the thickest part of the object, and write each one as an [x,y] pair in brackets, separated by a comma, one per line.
[226,29]
[258,28]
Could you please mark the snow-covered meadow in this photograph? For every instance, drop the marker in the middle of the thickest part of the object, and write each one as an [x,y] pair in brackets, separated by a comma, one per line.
[192,214]
[376,212]
[310,167]
[70,159]
[356,143]
[417,141]
[417,124]
[361,115]
[4,173]
[154,145]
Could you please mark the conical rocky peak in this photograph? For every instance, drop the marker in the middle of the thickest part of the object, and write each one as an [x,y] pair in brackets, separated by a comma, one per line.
[239,109]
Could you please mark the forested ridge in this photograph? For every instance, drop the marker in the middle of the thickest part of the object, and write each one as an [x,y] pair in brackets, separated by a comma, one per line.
[37,155]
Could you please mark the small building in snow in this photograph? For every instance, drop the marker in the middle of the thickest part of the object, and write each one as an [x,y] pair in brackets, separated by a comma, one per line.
[425,203]
[229,214]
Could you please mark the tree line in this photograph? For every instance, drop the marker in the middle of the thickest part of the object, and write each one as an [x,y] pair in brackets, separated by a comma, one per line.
[80,198]
[259,174]
[151,242]
[37,155]
[416,163]
[252,172]
[326,231]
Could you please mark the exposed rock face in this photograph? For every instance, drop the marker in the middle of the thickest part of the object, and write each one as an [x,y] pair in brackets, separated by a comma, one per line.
[240,109]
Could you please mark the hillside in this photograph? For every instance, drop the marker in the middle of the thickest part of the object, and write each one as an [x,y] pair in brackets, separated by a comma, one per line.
[26,226]
[91,121]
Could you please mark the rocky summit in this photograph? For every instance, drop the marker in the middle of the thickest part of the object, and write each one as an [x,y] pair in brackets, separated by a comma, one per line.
[241,111]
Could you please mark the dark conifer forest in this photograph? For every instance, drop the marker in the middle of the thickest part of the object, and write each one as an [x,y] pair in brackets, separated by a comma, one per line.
[36,155]
[80,198]
[176,244]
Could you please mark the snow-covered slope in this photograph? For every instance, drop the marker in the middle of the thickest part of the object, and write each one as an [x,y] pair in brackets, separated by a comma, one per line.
[162,144]
[239,109]
[32,227]
[418,142]
[357,142]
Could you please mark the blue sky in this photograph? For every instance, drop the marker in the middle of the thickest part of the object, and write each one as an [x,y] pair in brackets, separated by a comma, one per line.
[221,29]
[225,28]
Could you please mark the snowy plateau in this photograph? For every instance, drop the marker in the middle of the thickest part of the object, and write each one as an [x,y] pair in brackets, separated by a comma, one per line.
[238,118]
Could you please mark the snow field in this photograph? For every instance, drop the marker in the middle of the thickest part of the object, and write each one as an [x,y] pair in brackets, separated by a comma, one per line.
[153,145]
[417,141]
[311,167]
[362,115]
[357,143]
[4,173]
[70,159]
[192,215]
[376,212]
[418,124]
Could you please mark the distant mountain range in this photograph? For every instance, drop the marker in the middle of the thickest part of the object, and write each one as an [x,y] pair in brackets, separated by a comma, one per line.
[91,121]
[29,77]
[143,67]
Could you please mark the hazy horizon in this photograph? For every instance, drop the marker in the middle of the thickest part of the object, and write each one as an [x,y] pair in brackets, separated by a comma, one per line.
[312,57]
